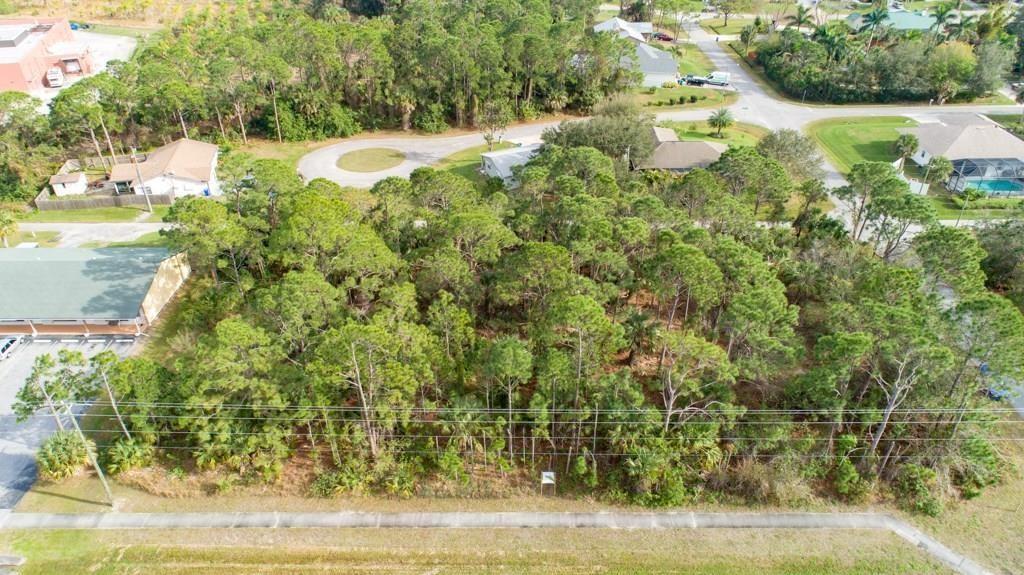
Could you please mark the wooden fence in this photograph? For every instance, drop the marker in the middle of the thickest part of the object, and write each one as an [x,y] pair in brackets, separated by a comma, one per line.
[44,204]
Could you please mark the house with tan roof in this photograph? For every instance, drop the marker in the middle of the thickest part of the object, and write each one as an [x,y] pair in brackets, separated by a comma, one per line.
[984,155]
[70,184]
[671,153]
[182,168]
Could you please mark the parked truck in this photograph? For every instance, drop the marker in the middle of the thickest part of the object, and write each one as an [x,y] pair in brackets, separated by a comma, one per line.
[713,79]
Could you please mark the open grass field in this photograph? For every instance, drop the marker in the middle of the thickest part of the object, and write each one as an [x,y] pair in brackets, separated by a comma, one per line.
[150,240]
[437,551]
[692,60]
[848,141]
[288,152]
[664,99]
[466,162]
[370,160]
[739,134]
[718,25]
[97,215]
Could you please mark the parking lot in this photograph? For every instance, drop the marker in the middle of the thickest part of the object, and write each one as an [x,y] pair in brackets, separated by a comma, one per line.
[19,441]
[104,48]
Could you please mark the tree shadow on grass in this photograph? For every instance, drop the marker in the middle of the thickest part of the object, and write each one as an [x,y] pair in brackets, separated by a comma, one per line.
[102,504]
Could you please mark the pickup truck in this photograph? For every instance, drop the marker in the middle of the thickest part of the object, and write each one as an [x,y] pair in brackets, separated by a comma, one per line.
[714,79]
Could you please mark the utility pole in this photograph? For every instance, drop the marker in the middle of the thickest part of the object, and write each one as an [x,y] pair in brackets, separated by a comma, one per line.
[142,183]
[92,456]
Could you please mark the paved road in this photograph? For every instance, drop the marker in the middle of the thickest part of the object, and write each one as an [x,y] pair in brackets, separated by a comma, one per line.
[74,235]
[471,520]
[755,106]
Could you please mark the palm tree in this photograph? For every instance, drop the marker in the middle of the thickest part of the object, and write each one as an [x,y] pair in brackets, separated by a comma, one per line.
[905,146]
[721,119]
[835,40]
[800,19]
[943,17]
[963,29]
[8,226]
[871,22]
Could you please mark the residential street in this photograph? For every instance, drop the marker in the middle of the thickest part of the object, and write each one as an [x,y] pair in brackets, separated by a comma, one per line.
[480,520]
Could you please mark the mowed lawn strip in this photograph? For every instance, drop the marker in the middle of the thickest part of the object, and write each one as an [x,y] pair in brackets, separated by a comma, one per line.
[849,141]
[440,551]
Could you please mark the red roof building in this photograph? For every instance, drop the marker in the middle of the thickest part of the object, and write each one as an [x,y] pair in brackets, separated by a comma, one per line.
[29,47]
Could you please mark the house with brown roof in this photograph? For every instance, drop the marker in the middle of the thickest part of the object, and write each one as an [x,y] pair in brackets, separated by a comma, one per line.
[984,155]
[673,154]
[182,168]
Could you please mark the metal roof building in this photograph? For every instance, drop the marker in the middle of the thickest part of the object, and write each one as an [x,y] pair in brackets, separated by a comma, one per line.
[499,164]
[86,291]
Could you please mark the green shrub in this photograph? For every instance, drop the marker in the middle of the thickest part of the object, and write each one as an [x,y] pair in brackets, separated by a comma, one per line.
[430,119]
[125,454]
[668,84]
[693,98]
[914,490]
[340,122]
[849,484]
[978,466]
[62,455]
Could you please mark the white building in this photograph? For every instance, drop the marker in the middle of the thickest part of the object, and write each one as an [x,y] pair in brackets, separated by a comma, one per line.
[181,168]
[655,65]
[499,164]
[71,184]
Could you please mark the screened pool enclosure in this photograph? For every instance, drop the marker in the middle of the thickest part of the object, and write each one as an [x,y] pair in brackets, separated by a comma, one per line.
[993,176]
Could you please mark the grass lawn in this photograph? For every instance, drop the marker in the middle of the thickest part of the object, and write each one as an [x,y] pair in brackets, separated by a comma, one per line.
[1006,119]
[693,60]
[370,160]
[288,152]
[440,551]
[466,162]
[718,26]
[668,98]
[115,30]
[739,134]
[848,141]
[96,215]
[44,239]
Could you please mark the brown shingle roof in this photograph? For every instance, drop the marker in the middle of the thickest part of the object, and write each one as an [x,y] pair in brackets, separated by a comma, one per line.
[682,156]
[183,158]
[66,178]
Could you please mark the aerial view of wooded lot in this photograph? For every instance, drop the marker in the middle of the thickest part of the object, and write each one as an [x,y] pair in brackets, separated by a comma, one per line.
[543,257]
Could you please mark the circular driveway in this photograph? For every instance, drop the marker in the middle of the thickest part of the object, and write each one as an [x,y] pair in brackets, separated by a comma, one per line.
[420,151]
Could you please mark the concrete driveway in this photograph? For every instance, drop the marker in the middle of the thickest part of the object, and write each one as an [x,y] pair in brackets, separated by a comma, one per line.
[19,441]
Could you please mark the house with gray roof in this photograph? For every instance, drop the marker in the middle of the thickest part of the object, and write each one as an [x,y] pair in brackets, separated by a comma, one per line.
[675,155]
[78,291]
[985,156]
[500,164]
[655,65]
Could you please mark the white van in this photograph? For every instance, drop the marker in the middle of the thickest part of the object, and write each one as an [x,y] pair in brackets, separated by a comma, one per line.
[719,78]
[55,77]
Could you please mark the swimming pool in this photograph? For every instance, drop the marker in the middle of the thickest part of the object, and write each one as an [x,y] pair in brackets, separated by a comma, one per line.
[1005,187]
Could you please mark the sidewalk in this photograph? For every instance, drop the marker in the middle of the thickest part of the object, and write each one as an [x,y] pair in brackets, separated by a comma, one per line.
[474,520]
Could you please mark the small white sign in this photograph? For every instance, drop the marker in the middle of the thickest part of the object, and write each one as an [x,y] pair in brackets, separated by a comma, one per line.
[547,477]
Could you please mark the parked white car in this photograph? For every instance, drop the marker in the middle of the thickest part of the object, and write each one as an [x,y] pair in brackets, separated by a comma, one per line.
[7,345]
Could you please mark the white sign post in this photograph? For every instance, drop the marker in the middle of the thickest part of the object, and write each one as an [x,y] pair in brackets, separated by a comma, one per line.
[547,478]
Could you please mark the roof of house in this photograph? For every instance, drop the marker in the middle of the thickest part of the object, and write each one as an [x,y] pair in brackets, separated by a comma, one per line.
[76,283]
[624,29]
[69,178]
[681,156]
[960,141]
[651,60]
[504,160]
[898,20]
[189,159]
[664,135]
